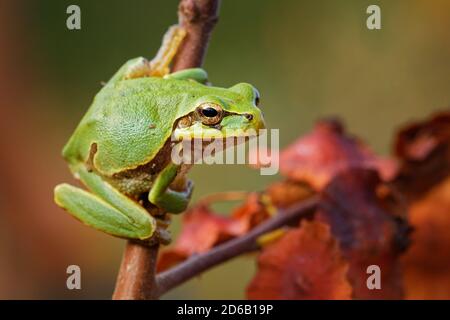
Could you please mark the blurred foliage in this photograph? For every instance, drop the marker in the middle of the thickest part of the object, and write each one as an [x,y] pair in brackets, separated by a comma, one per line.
[308,59]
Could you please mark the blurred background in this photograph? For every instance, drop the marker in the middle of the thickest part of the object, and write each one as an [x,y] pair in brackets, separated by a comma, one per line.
[308,59]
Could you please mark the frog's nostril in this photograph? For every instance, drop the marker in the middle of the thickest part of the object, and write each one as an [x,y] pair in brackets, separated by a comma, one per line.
[249,116]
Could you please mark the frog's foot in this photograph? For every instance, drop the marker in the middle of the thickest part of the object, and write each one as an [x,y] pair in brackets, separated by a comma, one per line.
[106,209]
[138,68]
[169,48]
[165,198]
[159,65]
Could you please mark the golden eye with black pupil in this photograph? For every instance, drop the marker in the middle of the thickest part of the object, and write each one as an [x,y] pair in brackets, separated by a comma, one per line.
[210,113]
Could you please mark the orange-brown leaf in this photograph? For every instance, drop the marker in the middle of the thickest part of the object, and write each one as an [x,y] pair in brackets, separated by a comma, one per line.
[426,264]
[286,193]
[305,263]
[368,232]
[203,229]
[317,157]
[419,140]
[424,151]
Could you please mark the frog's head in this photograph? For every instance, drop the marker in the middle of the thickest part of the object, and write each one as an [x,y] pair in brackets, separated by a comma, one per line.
[231,112]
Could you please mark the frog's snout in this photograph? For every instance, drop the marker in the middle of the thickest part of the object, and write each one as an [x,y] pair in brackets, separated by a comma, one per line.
[255,121]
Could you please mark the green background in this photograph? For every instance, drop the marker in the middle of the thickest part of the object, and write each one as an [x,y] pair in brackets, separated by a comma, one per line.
[309,59]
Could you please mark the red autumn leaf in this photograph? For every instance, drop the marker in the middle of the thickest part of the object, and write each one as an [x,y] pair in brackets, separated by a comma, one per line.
[368,229]
[204,229]
[305,263]
[286,193]
[417,141]
[317,157]
[424,151]
[426,264]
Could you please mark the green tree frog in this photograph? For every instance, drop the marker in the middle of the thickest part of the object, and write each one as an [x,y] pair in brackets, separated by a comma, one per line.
[121,149]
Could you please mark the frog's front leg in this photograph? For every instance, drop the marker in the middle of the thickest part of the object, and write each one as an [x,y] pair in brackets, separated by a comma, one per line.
[159,65]
[106,209]
[165,198]
[196,74]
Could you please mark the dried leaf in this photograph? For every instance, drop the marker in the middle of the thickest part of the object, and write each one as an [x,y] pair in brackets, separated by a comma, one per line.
[286,193]
[204,229]
[317,157]
[424,151]
[351,205]
[418,141]
[365,214]
[426,264]
[305,263]
[367,231]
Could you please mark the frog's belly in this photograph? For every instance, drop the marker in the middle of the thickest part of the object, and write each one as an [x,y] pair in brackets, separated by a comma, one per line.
[133,185]
[136,182]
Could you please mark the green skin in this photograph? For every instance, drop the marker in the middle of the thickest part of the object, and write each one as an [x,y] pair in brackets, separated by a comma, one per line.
[129,123]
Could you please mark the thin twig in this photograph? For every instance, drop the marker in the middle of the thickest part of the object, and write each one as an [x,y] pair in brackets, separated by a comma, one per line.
[246,243]
[136,279]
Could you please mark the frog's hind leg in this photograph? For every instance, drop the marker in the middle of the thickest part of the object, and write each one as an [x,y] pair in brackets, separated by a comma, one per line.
[159,65]
[106,209]
[169,48]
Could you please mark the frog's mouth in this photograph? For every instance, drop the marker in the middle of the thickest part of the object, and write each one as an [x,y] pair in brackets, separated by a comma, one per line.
[231,126]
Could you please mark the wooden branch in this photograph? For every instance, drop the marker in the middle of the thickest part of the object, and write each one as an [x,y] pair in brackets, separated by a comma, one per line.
[198,18]
[230,249]
[136,279]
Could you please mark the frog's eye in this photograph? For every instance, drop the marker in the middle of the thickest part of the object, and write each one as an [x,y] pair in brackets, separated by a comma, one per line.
[256,98]
[210,113]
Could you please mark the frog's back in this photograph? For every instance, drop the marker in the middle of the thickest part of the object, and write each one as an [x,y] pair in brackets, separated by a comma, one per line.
[127,122]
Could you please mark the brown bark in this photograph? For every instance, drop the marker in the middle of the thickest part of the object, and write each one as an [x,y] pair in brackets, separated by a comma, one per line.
[198,18]
[136,279]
